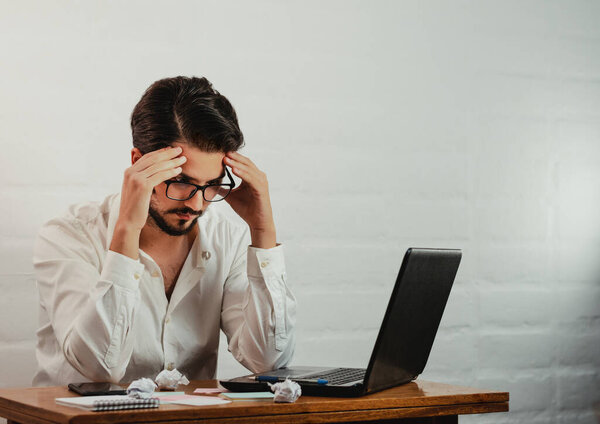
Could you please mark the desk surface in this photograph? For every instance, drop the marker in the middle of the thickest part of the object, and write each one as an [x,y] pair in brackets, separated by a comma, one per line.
[416,399]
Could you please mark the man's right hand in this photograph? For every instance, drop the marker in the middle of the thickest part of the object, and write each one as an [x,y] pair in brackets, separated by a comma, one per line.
[146,173]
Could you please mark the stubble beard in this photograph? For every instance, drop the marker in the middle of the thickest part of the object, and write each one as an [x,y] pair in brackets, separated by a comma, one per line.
[180,230]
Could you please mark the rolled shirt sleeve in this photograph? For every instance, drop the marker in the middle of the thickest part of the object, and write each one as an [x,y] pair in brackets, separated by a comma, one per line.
[259,309]
[90,300]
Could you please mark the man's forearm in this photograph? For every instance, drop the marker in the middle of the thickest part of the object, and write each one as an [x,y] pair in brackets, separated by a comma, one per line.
[259,310]
[264,239]
[126,241]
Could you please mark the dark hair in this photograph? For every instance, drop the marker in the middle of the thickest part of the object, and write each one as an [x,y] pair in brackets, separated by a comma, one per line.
[186,109]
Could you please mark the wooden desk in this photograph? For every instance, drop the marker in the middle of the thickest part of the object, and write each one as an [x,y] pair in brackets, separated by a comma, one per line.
[416,402]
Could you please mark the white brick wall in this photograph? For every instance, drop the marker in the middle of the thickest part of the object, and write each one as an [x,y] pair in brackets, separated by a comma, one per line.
[381,125]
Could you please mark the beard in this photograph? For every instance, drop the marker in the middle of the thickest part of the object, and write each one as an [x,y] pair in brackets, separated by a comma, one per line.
[181,228]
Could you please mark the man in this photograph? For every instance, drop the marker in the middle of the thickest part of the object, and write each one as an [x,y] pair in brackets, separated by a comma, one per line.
[145,280]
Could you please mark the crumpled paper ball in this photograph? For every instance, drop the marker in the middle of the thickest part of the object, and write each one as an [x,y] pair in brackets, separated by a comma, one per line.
[169,379]
[142,388]
[286,391]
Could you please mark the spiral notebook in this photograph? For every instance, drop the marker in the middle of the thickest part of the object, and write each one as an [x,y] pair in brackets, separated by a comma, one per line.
[108,403]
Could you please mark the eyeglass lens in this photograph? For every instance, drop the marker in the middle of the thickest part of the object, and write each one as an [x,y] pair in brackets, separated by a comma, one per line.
[183,191]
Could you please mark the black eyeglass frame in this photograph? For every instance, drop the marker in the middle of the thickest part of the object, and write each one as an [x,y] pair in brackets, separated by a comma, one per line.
[197,187]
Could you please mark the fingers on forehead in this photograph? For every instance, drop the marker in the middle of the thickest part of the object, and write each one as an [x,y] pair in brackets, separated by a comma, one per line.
[241,159]
[236,155]
[166,153]
[171,150]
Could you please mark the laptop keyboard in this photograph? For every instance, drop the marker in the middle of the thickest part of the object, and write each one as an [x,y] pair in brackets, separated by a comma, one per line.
[339,375]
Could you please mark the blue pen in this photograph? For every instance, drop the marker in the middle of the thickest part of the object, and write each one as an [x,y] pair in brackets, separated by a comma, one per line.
[266,378]
[320,381]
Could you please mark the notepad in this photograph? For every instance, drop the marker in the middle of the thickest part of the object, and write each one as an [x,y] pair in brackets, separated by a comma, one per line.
[108,403]
[194,400]
[210,390]
[248,395]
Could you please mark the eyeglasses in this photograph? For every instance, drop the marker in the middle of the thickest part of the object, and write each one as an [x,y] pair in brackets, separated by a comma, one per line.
[179,190]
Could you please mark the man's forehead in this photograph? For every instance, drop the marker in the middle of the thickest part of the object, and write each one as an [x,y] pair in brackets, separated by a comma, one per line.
[201,166]
[191,179]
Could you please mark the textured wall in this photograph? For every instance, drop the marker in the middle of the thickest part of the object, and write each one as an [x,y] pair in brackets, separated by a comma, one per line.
[382,125]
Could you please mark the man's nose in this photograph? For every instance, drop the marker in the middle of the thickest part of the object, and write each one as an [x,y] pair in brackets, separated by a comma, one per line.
[196,202]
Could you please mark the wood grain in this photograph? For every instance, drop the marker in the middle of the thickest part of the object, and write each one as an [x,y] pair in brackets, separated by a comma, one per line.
[417,399]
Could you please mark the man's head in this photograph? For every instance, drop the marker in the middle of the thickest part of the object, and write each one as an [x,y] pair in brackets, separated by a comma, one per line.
[189,113]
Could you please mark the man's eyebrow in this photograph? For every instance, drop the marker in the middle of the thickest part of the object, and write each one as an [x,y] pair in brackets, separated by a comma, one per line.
[190,179]
[187,177]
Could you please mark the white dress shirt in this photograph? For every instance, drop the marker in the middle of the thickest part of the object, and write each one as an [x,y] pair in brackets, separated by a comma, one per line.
[105,316]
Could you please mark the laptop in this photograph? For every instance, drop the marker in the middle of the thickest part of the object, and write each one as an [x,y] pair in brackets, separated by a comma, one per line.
[404,341]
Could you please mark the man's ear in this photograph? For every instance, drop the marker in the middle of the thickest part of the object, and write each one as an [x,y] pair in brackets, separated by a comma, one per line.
[136,154]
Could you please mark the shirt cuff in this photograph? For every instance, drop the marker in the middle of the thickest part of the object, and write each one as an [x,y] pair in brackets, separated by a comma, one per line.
[266,262]
[122,270]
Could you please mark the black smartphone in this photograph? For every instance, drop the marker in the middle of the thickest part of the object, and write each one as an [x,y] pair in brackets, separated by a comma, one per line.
[97,389]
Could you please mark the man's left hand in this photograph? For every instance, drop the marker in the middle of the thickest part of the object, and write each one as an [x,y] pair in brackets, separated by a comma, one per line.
[251,200]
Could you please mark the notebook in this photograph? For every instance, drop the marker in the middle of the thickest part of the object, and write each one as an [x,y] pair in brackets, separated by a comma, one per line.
[193,400]
[248,396]
[404,341]
[108,403]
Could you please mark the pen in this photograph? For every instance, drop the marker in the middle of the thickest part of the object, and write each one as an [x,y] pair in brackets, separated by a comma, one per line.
[319,381]
[266,378]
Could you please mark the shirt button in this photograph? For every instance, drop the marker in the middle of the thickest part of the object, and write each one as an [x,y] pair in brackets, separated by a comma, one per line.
[136,276]
[170,366]
[264,264]
[167,320]
[155,274]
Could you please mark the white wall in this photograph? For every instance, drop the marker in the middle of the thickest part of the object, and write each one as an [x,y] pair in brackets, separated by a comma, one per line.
[382,125]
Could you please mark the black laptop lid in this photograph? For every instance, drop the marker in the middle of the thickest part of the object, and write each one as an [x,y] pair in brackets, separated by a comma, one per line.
[412,317]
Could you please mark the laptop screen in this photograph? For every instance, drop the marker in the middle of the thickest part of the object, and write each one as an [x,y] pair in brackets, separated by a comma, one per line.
[412,317]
